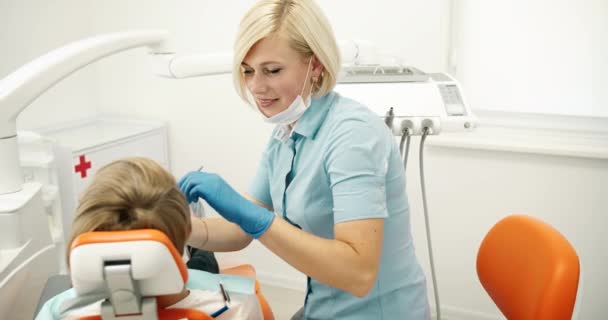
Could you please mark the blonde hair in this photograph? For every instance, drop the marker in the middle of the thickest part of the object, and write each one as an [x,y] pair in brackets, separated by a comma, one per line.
[133,193]
[306,28]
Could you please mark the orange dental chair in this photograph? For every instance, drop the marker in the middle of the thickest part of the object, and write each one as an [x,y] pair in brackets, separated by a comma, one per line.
[529,269]
[128,269]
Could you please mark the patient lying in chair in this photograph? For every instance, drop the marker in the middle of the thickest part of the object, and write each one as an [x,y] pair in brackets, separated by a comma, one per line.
[137,193]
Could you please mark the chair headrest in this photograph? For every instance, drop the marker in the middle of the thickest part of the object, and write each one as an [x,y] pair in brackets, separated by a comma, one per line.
[156,266]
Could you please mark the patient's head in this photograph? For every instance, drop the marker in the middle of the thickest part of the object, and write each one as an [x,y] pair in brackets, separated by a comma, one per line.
[133,193]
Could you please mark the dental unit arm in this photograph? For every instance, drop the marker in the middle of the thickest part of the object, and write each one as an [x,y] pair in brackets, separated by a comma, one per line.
[23,86]
[355,54]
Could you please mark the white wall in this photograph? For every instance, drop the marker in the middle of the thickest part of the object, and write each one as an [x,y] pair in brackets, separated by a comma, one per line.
[468,190]
[30,28]
[542,56]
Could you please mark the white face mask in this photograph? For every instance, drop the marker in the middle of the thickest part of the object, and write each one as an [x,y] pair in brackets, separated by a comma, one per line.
[295,109]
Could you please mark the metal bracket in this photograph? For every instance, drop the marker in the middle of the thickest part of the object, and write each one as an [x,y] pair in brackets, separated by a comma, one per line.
[125,301]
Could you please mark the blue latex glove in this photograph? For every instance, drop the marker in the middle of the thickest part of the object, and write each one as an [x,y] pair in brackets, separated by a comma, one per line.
[253,219]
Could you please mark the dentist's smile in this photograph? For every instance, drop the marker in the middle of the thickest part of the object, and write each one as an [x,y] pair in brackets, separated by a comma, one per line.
[265,103]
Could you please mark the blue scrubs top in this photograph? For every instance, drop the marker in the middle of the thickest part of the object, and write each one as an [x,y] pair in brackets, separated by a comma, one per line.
[341,163]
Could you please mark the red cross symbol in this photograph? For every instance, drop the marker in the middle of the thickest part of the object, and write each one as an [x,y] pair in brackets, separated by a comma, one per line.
[82,167]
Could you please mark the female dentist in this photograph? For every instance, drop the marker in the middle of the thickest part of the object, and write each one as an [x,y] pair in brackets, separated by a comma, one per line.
[329,194]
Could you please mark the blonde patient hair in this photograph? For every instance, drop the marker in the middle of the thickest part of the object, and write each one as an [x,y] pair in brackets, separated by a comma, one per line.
[133,193]
[306,28]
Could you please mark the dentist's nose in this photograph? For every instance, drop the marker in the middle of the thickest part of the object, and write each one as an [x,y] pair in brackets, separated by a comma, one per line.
[257,84]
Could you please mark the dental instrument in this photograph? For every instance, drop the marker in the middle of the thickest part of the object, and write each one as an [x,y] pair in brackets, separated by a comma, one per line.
[197,207]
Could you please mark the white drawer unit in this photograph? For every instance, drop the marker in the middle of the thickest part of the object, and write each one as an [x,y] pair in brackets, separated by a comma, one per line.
[79,150]
[99,143]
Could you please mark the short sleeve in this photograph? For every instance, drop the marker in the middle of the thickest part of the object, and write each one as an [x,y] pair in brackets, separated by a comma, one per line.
[259,188]
[356,163]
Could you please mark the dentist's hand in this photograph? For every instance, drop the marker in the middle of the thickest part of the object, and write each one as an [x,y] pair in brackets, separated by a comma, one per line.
[253,219]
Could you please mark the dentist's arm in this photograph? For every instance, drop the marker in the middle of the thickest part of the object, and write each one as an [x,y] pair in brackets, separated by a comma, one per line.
[219,234]
[349,261]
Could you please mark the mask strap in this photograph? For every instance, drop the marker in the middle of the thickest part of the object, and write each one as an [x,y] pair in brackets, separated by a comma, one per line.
[306,77]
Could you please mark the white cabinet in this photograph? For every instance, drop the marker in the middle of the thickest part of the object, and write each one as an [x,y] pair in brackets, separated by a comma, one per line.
[78,151]
[102,141]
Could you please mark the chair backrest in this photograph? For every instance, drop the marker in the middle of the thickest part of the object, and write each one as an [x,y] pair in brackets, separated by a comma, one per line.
[529,269]
[129,268]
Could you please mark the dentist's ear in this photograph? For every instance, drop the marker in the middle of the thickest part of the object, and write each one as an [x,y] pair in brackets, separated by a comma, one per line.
[317,68]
